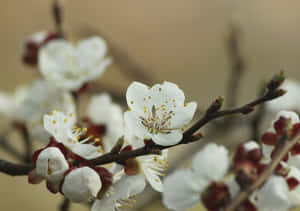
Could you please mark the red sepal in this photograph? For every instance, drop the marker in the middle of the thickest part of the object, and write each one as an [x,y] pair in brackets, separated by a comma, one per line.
[295,150]
[280,125]
[295,130]
[126,149]
[216,196]
[269,138]
[292,183]
[53,188]
[33,178]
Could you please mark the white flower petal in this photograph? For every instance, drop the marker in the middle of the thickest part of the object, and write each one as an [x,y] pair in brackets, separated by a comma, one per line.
[136,97]
[51,164]
[98,109]
[233,186]
[10,104]
[133,123]
[92,50]
[167,139]
[273,196]
[211,163]
[289,101]
[267,150]
[294,161]
[129,185]
[153,167]
[69,67]
[81,184]
[87,151]
[182,190]
[105,204]
[43,98]
[294,195]
[183,115]
[58,125]
[167,92]
[122,189]
[289,115]
[251,145]
[101,110]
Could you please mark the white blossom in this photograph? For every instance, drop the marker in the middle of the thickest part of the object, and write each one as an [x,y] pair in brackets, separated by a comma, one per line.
[233,186]
[81,184]
[289,101]
[267,150]
[251,145]
[11,103]
[121,194]
[158,113]
[273,196]
[43,98]
[51,165]
[211,163]
[37,37]
[183,188]
[62,128]
[68,66]
[152,167]
[102,111]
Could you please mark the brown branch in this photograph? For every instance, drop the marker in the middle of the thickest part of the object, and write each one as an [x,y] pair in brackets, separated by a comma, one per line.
[13,169]
[244,194]
[188,136]
[28,145]
[237,63]
[213,112]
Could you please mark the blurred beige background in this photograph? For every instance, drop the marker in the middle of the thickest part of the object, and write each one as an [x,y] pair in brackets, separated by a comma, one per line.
[177,40]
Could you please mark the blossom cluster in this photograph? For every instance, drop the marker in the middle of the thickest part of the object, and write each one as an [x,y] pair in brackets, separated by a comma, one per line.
[76,139]
[211,180]
[47,111]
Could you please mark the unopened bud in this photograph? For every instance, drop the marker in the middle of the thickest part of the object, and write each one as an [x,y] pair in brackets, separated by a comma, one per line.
[51,164]
[216,105]
[81,184]
[276,81]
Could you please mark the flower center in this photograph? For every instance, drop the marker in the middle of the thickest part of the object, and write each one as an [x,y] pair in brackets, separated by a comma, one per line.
[156,123]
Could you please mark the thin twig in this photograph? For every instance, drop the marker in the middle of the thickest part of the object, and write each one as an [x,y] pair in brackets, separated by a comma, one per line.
[188,135]
[65,205]
[57,15]
[28,146]
[237,63]
[244,194]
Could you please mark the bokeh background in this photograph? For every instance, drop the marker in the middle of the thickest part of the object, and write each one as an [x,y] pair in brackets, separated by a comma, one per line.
[174,40]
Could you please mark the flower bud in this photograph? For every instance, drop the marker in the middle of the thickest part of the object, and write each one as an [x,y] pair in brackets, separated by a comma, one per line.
[33,44]
[51,164]
[81,184]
